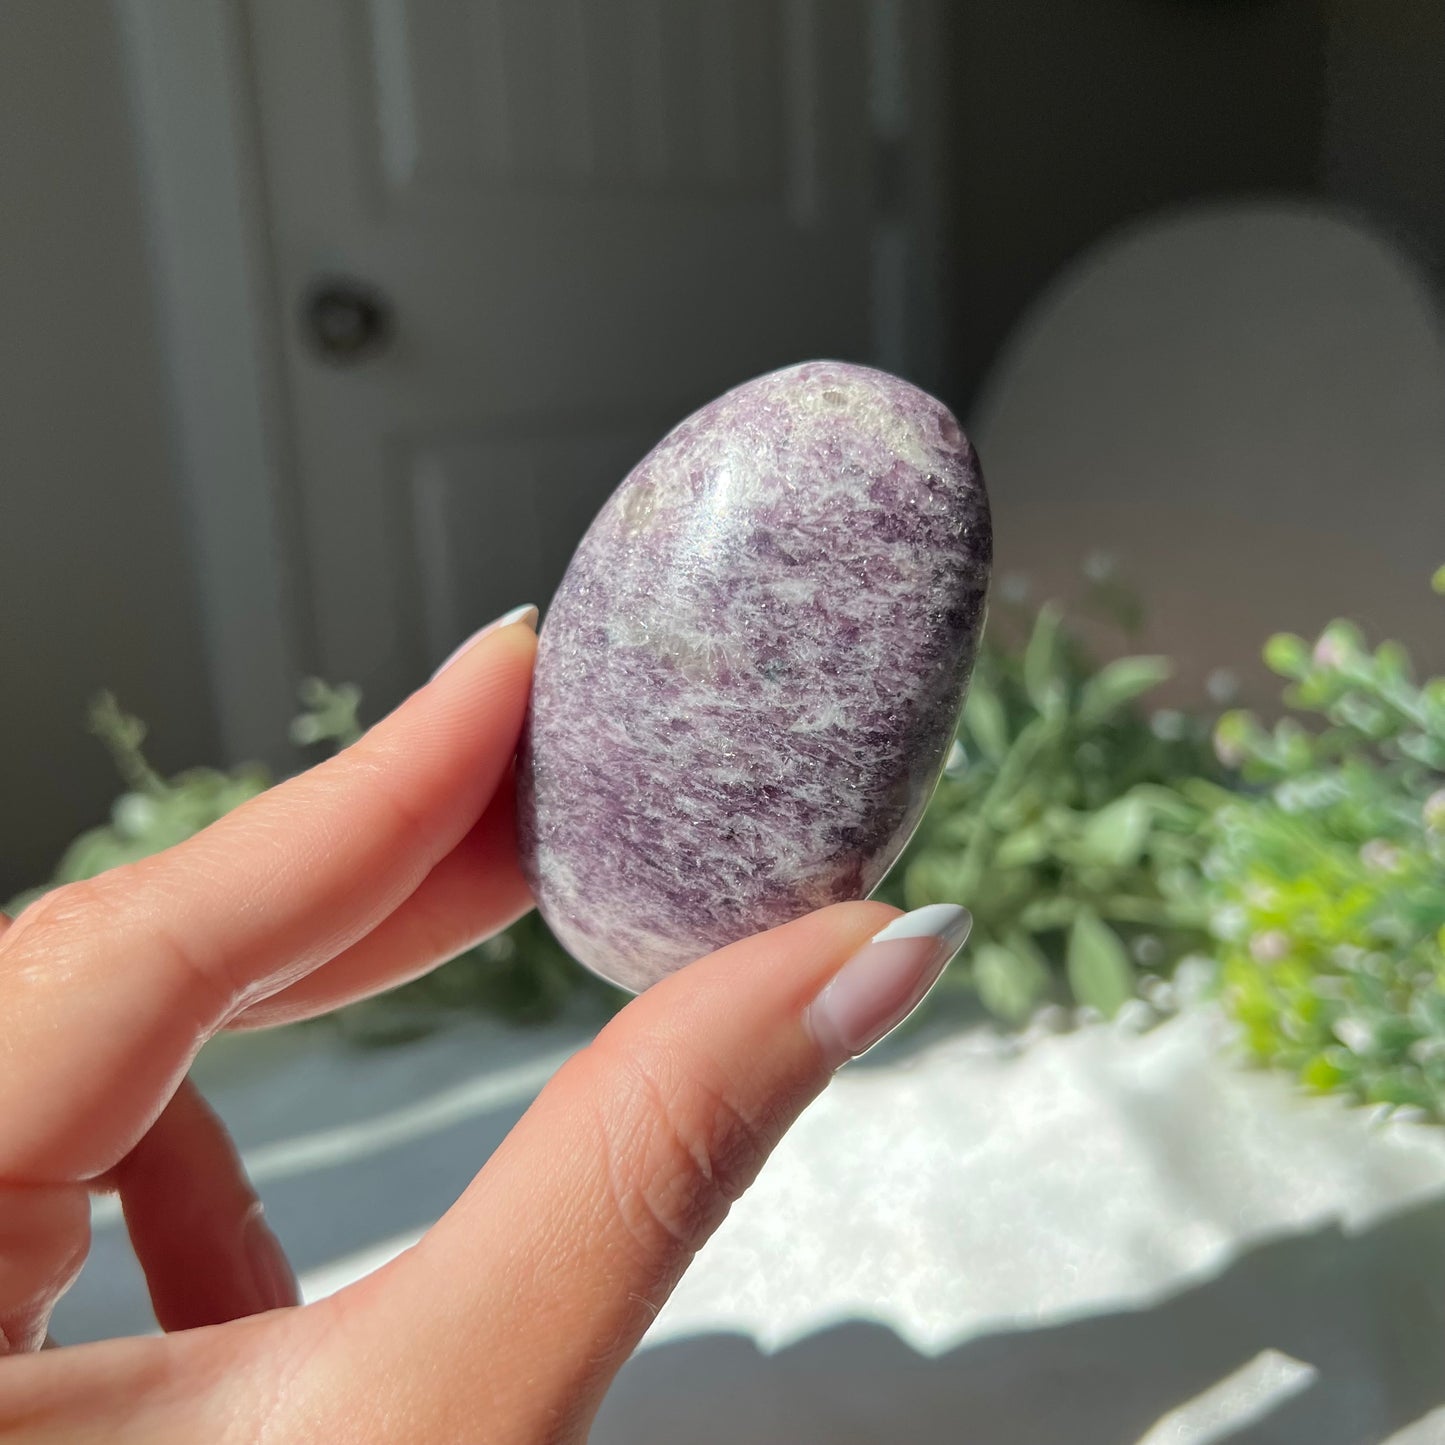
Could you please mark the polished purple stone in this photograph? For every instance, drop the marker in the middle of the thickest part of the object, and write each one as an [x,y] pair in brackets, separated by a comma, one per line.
[750,676]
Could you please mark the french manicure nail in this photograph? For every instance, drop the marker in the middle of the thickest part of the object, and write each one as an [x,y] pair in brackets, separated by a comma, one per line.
[272,1277]
[525,613]
[886,980]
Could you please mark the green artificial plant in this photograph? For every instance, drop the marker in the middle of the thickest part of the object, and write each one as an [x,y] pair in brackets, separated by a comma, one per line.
[1327,877]
[153,812]
[1063,819]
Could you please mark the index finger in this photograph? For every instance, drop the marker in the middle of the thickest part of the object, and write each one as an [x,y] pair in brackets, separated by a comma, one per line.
[108,988]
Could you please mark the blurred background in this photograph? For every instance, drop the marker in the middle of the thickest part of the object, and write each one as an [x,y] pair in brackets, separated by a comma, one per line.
[329,325]
[1175,262]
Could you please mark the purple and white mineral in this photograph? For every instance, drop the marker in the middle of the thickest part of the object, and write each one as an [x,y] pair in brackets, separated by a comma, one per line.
[749,679]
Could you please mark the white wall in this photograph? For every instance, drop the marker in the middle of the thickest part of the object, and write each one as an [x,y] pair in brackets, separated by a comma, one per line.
[1245,403]
[95,584]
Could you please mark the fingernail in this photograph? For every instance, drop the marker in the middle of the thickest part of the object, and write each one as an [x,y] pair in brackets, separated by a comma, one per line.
[271,1272]
[886,980]
[525,613]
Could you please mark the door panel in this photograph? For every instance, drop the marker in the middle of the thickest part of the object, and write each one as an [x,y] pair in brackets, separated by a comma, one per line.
[588,216]
[491,514]
[643,95]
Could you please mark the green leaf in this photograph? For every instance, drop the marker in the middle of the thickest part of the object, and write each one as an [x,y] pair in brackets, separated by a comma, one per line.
[1024,846]
[1393,663]
[1118,683]
[934,877]
[1115,835]
[123,736]
[1098,965]
[1340,646]
[1170,805]
[1438,581]
[1238,738]
[1010,981]
[1047,913]
[1043,663]
[985,721]
[1287,655]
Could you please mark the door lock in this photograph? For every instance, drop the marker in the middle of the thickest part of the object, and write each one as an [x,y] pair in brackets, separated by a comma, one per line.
[346,321]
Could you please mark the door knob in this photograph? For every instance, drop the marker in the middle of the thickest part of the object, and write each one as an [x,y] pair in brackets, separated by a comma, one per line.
[346,321]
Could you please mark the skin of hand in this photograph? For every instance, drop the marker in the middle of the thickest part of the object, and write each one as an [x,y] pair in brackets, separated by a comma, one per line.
[509,1319]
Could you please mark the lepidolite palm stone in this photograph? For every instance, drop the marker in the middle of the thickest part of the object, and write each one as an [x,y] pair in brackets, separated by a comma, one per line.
[750,676]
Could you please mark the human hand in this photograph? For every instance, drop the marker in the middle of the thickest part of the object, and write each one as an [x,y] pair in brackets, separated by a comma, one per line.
[510,1317]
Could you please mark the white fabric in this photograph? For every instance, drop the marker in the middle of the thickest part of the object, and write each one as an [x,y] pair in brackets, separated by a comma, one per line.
[1101,1238]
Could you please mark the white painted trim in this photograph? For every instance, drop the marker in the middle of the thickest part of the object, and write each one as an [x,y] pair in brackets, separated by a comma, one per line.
[191,95]
[906,92]
[928,80]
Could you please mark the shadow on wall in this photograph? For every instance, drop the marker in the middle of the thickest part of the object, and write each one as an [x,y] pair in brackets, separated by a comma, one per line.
[1364,1311]
[1246,405]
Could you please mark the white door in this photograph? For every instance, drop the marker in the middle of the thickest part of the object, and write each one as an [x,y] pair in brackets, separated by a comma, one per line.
[585,218]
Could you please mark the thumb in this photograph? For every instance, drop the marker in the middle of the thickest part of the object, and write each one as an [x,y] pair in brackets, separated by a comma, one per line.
[509,1319]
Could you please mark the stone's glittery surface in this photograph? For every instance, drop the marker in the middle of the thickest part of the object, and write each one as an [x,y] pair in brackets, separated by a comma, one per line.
[750,676]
